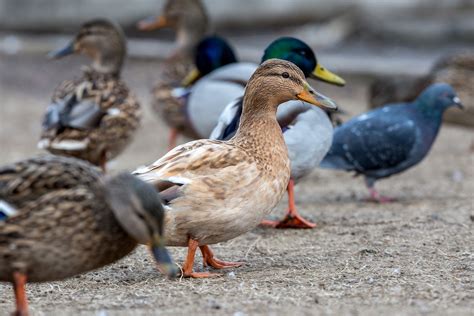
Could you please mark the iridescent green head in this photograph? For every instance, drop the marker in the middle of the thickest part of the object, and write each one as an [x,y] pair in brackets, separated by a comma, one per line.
[300,54]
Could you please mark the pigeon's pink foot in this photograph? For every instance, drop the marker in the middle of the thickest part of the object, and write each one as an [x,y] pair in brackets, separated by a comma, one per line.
[377,198]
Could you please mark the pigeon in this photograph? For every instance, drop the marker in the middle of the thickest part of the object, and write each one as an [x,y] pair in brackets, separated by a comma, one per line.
[391,139]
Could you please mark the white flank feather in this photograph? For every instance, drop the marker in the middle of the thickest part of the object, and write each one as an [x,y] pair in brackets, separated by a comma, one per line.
[7,209]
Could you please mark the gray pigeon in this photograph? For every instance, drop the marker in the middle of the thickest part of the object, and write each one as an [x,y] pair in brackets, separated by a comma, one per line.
[391,139]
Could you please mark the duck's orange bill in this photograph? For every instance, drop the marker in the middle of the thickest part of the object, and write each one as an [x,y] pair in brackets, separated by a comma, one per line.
[311,96]
[152,23]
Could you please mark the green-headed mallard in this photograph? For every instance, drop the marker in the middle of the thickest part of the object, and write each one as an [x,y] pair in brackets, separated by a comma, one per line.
[217,190]
[189,20]
[307,130]
[59,218]
[92,117]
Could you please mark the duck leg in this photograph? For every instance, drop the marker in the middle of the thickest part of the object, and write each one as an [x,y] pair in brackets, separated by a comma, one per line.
[292,219]
[172,138]
[209,259]
[188,271]
[19,282]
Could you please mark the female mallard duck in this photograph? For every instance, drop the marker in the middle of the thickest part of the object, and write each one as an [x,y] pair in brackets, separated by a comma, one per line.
[456,70]
[189,19]
[95,116]
[59,219]
[307,130]
[217,190]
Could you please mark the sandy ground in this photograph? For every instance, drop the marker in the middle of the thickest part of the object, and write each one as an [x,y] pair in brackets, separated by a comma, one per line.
[414,256]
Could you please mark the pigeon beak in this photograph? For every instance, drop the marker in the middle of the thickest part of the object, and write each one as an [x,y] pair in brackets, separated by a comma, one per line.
[311,96]
[457,102]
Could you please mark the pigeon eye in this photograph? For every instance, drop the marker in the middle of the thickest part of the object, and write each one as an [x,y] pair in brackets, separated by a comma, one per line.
[285,75]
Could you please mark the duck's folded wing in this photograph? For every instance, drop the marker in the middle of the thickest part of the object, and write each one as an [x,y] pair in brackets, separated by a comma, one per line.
[70,112]
[203,165]
[229,121]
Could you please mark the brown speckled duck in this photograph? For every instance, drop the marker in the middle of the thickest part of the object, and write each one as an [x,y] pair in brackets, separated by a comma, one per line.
[92,117]
[189,20]
[217,190]
[59,218]
[455,69]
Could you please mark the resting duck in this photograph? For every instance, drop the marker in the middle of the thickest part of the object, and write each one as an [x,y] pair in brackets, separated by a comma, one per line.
[456,70]
[93,117]
[61,218]
[391,139]
[307,130]
[189,19]
[217,190]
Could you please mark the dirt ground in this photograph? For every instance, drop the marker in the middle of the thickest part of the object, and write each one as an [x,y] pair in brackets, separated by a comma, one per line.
[414,256]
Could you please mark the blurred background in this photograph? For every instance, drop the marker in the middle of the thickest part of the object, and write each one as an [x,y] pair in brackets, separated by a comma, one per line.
[358,39]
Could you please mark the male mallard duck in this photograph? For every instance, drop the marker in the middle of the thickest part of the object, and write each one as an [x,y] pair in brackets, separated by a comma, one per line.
[189,19]
[391,139]
[456,70]
[307,130]
[217,190]
[61,219]
[95,116]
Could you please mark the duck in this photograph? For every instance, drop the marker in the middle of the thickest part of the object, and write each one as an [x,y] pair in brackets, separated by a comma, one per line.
[215,190]
[95,116]
[456,69]
[390,140]
[189,20]
[61,217]
[307,130]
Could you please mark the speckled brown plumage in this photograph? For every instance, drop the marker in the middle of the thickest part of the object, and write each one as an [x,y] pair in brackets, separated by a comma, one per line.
[189,20]
[166,105]
[93,117]
[114,133]
[63,225]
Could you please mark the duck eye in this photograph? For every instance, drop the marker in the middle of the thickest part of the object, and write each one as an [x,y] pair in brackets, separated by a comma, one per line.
[285,75]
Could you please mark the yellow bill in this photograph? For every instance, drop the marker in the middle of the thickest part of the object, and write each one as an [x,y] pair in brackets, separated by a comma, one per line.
[321,73]
[191,77]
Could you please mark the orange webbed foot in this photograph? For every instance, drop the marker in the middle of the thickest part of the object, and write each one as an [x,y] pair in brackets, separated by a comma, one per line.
[290,221]
[209,260]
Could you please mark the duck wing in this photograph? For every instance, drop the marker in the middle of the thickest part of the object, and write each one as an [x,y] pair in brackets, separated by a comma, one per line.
[200,169]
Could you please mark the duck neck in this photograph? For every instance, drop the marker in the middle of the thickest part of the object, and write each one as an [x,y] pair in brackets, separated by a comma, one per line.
[258,126]
[109,62]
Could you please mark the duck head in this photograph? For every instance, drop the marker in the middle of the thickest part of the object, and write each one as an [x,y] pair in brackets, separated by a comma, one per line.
[277,81]
[300,54]
[101,40]
[438,97]
[138,209]
[187,17]
[210,54]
